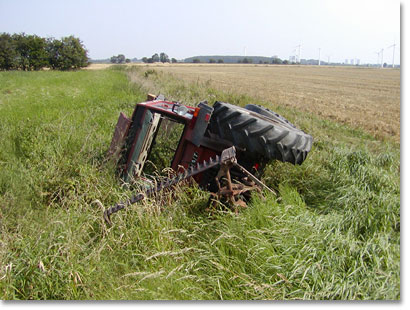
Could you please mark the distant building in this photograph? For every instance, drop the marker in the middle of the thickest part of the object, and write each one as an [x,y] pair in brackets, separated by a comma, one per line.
[352,62]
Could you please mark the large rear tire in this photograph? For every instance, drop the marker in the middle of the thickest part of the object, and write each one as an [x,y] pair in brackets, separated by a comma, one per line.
[261,133]
[269,114]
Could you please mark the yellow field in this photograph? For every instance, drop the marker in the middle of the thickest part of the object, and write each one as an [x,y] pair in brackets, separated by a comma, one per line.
[362,97]
[97,66]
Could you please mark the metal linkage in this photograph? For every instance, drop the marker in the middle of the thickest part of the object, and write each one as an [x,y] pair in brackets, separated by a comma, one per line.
[169,182]
[227,160]
[231,192]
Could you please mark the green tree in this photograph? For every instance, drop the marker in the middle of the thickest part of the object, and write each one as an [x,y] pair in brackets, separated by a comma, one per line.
[121,59]
[127,60]
[220,61]
[196,60]
[163,57]
[212,61]
[22,49]
[54,48]
[38,53]
[144,59]
[74,52]
[8,53]
[277,61]
[67,54]
[114,59]
[31,51]
[173,60]
[155,58]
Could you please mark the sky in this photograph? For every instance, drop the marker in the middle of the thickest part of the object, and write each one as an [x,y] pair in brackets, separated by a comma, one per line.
[342,29]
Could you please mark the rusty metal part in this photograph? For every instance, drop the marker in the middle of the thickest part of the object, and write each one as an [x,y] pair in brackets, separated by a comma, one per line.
[253,178]
[229,192]
[119,135]
[227,155]
[151,97]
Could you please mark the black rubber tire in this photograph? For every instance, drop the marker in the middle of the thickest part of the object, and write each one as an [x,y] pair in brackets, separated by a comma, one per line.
[260,135]
[269,113]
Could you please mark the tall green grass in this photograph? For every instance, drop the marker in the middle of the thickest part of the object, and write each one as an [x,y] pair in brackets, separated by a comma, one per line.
[333,231]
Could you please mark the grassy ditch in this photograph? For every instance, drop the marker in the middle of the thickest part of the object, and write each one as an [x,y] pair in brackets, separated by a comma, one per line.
[333,232]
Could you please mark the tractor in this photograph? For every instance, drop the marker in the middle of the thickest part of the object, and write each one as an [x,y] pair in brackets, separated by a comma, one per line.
[223,148]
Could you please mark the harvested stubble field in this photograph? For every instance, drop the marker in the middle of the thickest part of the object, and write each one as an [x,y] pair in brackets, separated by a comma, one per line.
[332,231]
[360,97]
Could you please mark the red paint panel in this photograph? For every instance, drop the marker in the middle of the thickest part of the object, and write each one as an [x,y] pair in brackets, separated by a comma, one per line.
[119,135]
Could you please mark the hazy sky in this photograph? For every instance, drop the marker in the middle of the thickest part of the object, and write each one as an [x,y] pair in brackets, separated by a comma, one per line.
[343,29]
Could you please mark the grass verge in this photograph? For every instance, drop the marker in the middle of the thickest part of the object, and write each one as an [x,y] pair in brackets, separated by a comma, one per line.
[332,233]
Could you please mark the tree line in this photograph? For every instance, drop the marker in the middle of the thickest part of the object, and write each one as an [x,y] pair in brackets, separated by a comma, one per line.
[119,59]
[32,52]
[162,57]
[236,59]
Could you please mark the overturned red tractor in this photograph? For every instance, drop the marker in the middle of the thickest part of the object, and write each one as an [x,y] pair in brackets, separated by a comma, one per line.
[224,148]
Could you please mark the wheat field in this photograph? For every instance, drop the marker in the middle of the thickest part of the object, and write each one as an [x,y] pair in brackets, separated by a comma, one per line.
[365,98]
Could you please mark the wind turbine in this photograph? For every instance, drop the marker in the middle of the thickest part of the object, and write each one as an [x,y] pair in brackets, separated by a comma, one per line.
[394,47]
[298,46]
[319,57]
[378,57]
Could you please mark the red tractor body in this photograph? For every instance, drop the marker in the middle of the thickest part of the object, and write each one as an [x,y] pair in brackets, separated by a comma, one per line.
[135,137]
[223,144]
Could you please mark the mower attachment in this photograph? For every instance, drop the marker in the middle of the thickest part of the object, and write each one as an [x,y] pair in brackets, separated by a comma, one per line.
[226,161]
